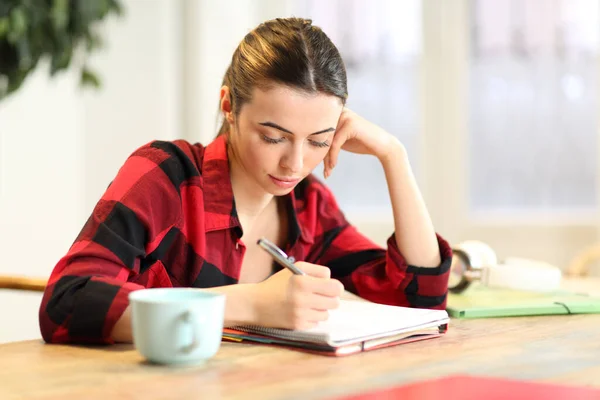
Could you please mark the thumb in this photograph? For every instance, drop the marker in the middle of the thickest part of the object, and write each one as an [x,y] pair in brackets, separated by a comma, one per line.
[317,271]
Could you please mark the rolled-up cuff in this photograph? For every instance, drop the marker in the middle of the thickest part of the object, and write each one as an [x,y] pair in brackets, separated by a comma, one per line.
[426,287]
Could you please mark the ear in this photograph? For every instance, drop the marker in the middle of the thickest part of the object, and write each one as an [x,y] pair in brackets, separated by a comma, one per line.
[226,106]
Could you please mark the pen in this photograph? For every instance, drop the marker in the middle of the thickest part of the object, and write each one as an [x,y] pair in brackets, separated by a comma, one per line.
[280,256]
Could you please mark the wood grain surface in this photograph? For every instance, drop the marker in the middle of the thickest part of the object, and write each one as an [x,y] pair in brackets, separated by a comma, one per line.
[22,283]
[559,349]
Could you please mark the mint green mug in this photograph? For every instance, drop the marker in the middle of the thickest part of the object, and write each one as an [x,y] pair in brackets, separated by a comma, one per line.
[177,325]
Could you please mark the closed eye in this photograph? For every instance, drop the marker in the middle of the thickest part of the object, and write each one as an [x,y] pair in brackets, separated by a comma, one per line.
[319,144]
[314,143]
[271,140]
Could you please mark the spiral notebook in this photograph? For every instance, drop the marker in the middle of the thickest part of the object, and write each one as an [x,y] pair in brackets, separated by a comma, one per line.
[354,327]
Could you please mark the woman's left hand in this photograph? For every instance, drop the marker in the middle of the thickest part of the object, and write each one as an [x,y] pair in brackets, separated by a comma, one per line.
[357,135]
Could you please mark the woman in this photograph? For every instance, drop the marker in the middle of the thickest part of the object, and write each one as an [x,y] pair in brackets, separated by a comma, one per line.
[179,214]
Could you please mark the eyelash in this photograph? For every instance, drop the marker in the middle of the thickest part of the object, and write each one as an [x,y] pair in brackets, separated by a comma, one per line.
[319,144]
[271,140]
[312,142]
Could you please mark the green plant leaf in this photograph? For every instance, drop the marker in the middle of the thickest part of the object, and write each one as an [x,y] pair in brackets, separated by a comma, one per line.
[16,80]
[24,54]
[116,7]
[5,7]
[61,59]
[89,78]
[4,27]
[60,14]
[3,86]
[34,29]
[18,25]
[93,41]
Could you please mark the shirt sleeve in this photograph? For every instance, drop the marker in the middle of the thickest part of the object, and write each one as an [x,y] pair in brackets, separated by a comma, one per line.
[88,289]
[372,272]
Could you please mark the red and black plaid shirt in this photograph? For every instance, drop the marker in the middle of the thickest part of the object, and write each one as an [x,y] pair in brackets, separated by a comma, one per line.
[169,219]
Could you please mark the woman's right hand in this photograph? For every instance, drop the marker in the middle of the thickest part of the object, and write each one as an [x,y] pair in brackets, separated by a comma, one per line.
[290,301]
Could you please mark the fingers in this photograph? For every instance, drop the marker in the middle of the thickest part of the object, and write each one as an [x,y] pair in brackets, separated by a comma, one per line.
[317,280]
[307,317]
[319,302]
[311,315]
[330,160]
[329,288]
[323,287]
[318,271]
[336,145]
[311,296]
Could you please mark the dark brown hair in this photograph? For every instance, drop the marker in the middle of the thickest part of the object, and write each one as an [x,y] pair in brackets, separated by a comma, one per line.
[288,51]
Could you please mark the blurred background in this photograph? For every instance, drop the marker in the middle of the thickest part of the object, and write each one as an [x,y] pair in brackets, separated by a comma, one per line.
[495,100]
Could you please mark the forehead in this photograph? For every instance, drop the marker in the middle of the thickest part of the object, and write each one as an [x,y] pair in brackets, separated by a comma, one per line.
[293,109]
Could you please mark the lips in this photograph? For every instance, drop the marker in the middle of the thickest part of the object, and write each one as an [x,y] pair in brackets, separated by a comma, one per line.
[284,182]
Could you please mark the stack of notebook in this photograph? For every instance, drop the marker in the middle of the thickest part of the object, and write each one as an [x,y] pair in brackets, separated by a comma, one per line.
[354,327]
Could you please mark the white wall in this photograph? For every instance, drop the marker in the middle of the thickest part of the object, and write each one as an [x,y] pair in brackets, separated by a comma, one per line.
[212,33]
[140,99]
[60,146]
[41,199]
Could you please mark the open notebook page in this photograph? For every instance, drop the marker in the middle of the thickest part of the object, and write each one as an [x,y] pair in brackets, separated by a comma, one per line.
[355,321]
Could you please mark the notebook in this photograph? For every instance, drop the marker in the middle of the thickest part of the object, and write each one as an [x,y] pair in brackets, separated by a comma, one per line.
[483,302]
[354,327]
[462,387]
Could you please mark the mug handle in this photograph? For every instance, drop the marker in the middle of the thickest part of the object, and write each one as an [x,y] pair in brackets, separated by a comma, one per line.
[196,335]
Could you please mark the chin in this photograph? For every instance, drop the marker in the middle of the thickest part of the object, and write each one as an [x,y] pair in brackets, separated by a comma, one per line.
[283,192]
[277,191]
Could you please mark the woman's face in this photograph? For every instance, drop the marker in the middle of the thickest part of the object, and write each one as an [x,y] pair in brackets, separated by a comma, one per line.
[282,134]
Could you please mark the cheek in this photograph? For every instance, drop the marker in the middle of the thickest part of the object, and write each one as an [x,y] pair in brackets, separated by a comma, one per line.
[261,157]
[313,157]
[255,158]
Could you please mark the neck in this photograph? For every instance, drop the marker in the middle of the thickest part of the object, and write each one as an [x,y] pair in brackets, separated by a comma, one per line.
[250,199]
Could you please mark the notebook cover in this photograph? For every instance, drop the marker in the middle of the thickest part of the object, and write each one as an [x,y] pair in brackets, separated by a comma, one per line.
[484,302]
[478,388]
[233,335]
[356,322]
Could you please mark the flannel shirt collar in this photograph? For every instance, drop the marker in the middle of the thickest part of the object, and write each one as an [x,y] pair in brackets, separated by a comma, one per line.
[219,202]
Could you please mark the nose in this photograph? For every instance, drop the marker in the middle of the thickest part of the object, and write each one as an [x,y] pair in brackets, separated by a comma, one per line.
[293,159]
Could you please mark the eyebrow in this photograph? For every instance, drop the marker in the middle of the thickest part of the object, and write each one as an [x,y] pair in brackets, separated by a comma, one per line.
[274,125]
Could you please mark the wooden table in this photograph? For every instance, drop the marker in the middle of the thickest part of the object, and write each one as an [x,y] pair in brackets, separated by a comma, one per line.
[560,349]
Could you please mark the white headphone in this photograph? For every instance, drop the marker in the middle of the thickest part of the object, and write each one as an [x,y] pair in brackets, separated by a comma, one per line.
[476,261]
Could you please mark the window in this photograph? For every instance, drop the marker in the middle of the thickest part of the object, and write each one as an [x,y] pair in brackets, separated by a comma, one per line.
[381,46]
[533,106]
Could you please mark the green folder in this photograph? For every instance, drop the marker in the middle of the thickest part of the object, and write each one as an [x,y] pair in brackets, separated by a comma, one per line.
[479,301]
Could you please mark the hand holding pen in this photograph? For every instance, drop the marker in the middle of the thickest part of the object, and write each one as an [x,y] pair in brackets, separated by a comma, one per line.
[297,297]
